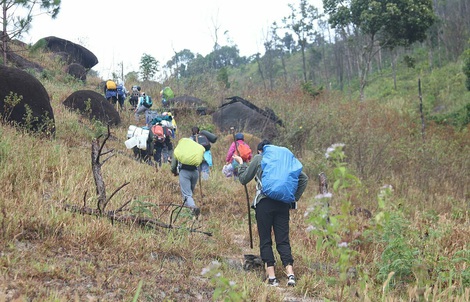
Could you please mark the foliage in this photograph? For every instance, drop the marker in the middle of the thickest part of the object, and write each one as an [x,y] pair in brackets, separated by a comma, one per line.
[466,67]
[9,103]
[329,227]
[222,77]
[459,118]
[225,290]
[390,23]
[148,67]
[301,21]
[308,88]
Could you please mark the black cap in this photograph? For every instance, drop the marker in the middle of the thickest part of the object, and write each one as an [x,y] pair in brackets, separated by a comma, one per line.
[263,143]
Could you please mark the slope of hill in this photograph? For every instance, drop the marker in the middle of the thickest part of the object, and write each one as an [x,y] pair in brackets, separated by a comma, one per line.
[413,184]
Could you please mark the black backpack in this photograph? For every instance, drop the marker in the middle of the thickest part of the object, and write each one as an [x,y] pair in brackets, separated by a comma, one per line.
[202,140]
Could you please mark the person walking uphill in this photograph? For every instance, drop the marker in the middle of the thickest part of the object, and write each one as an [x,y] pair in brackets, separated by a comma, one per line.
[238,147]
[145,102]
[274,167]
[188,155]
[110,91]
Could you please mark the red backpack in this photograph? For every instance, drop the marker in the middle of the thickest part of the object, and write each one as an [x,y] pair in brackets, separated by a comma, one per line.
[158,133]
[243,150]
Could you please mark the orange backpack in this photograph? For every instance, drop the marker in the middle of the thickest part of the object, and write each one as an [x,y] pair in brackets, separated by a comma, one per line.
[243,150]
[158,133]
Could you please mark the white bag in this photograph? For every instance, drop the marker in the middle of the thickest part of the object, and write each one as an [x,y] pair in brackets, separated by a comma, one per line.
[227,170]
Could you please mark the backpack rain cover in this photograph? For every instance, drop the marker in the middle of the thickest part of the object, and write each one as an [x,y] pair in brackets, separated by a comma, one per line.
[281,172]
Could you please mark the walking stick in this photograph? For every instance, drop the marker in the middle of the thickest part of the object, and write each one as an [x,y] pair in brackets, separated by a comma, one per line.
[200,171]
[246,193]
[200,183]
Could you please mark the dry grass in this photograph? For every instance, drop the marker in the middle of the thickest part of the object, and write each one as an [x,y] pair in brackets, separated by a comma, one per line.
[49,254]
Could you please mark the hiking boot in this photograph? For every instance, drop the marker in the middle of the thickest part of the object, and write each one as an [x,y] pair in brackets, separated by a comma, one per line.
[273,282]
[196,211]
[291,280]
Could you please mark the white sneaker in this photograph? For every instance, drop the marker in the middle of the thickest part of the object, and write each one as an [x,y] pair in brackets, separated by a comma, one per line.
[291,280]
[273,282]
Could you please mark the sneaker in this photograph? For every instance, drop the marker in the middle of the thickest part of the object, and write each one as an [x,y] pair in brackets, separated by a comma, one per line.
[196,211]
[273,282]
[291,280]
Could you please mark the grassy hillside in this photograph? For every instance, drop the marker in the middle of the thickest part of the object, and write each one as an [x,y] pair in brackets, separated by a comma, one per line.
[413,247]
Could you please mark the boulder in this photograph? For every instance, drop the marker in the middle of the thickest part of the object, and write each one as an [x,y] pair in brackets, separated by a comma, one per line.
[186,101]
[77,71]
[23,63]
[39,115]
[186,105]
[75,53]
[244,116]
[93,105]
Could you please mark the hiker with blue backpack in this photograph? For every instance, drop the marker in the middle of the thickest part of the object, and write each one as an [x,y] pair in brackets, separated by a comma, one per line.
[144,104]
[121,94]
[280,182]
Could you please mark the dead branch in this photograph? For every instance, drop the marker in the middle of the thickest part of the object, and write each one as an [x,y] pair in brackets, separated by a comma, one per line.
[107,158]
[130,219]
[104,142]
[125,204]
[84,198]
[115,191]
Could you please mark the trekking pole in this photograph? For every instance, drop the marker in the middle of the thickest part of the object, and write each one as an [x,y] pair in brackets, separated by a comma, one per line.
[200,170]
[200,184]
[246,193]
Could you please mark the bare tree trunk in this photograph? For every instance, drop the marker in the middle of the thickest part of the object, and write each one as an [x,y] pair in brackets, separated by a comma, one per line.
[284,69]
[97,175]
[394,69]
[421,110]
[4,32]
[260,70]
[304,65]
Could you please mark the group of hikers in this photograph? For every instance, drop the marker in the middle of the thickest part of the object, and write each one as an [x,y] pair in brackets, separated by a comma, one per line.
[280,180]
[116,93]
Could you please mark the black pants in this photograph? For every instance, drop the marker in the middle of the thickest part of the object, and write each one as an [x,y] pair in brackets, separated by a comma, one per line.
[273,215]
[159,148]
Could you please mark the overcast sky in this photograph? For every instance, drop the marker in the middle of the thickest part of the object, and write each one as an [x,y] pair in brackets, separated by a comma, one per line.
[122,31]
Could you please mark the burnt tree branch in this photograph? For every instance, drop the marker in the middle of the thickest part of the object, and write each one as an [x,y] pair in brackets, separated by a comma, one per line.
[130,219]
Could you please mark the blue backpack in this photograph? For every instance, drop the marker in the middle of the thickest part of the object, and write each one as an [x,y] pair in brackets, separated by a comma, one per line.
[146,101]
[281,172]
[120,90]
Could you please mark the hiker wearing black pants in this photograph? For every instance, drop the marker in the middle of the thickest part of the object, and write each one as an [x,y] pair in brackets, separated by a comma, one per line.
[159,146]
[271,215]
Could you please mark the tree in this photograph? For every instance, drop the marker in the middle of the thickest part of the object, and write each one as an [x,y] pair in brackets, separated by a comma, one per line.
[15,23]
[148,67]
[380,23]
[179,62]
[301,22]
